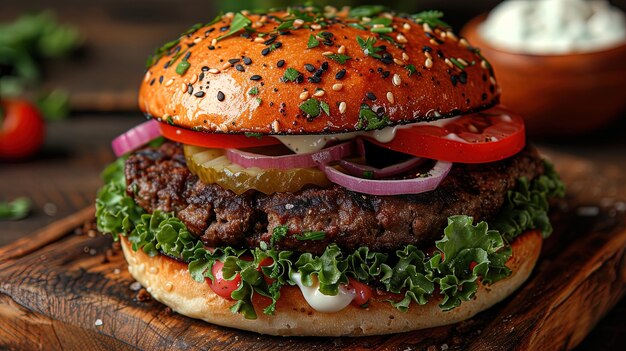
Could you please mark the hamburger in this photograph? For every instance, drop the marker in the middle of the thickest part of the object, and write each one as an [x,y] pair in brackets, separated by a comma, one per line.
[326,172]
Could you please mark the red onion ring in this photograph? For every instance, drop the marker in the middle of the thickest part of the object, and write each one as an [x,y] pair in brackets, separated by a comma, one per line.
[136,137]
[360,170]
[390,187]
[248,159]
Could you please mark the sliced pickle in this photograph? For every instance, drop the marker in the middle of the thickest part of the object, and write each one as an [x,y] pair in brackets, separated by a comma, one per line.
[212,166]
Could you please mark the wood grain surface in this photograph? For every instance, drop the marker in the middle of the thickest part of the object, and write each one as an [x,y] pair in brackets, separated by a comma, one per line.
[54,292]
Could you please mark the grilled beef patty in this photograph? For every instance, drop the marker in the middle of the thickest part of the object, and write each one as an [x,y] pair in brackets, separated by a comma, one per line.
[158,179]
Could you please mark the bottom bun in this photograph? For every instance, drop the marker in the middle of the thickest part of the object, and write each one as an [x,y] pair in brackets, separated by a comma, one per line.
[169,282]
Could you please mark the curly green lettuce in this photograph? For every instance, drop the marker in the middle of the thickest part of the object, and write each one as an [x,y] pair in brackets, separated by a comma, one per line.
[466,253]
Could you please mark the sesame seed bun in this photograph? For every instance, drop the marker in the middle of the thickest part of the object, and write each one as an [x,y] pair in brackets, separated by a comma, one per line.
[236,85]
[169,282]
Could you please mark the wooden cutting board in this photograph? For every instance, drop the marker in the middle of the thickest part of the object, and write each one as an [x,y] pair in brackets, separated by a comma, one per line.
[65,287]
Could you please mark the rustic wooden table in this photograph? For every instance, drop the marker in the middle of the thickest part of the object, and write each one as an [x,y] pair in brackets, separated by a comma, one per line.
[64,177]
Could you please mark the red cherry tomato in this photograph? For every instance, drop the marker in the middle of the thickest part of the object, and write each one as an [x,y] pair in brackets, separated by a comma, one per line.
[362,291]
[221,286]
[209,140]
[22,129]
[472,265]
[487,136]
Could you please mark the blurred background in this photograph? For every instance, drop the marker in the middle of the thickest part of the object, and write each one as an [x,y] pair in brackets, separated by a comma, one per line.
[79,63]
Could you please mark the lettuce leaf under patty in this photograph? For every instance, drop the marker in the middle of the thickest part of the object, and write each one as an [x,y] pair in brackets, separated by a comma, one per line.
[466,253]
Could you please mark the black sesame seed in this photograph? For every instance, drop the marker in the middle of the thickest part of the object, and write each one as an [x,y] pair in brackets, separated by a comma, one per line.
[280,63]
[205,68]
[340,74]
[484,77]
[247,60]
[326,34]
[209,31]
[199,94]
[427,49]
[240,68]
[440,54]
[201,76]
[314,79]
[484,97]
[211,47]
[379,70]
[309,67]
[492,89]
[220,96]
[167,64]
[386,74]
[278,45]
[225,28]
[325,66]
[454,80]
[270,41]
[189,89]
[255,77]
[463,77]
[160,79]
[233,61]
[187,55]
[371,96]
[265,51]
[152,81]
[245,35]
[300,79]
[328,42]
[318,73]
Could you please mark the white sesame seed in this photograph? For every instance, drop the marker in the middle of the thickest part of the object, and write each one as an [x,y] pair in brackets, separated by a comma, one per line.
[367,19]
[428,63]
[135,286]
[316,27]
[263,19]
[214,42]
[169,82]
[405,57]
[399,62]
[298,23]
[304,95]
[337,87]
[484,64]
[276,126]
[427,28]
[147,76]
[319,93]
[226,66]
[390,97]
[169,286]
[472,128]
[117,271]
[183,87]
[193,79]
[406,26]
[214,71]
[378,26]
[259,40]
[98,322]
[434,42]
[463,42]
[462,61]
[396,80]
[342,107]
[328,53]
[197,40]
[341,50]
[387,15]
[449,63]
[223,127]
[452,36]
[427,54]
[442,35]
[229,15]
[245,13]
[492,80]
[402,39]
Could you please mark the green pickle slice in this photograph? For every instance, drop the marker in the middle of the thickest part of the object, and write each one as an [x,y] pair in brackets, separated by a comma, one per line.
[212,166]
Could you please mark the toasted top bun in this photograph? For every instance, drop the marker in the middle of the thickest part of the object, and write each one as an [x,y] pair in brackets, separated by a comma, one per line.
[169,282]
[240,83]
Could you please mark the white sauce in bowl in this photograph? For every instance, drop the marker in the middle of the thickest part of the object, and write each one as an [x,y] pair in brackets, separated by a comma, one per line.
[547,27]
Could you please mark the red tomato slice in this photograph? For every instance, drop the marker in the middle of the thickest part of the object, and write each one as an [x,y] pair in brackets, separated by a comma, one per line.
[482,137]
[221,286]
[362,292]
[223,141]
